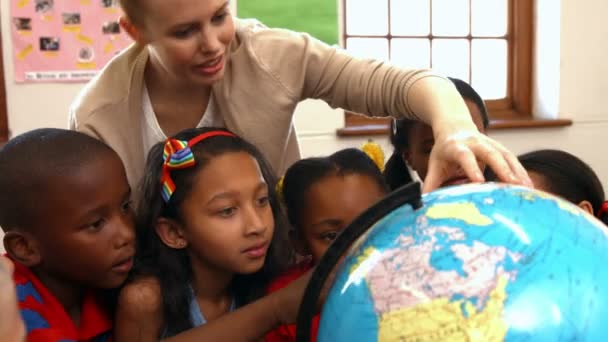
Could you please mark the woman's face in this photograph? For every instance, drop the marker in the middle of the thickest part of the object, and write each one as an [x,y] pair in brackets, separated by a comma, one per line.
[188,40]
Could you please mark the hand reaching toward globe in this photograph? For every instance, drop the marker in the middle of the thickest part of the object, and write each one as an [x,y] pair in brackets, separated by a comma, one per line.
[11,325]
[289,298]
[464,150]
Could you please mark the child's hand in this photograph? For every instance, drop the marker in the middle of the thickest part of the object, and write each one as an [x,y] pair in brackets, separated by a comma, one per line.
[11,325]
[287,300]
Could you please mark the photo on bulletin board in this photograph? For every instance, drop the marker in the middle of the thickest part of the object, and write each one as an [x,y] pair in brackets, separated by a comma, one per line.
[319,18]
[64,40]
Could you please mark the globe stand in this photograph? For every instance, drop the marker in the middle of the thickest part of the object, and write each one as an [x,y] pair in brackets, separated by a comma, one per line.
[408,194]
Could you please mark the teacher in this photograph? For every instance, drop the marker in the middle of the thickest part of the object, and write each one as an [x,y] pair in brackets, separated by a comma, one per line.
[194,64]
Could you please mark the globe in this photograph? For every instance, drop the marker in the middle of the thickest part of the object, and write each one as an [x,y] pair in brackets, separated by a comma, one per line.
[479,262]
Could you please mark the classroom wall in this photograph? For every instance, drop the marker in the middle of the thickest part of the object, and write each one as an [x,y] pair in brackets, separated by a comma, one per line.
[570,83]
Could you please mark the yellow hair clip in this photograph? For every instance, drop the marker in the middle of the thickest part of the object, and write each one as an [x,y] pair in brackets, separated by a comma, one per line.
[279,190]
[375,152]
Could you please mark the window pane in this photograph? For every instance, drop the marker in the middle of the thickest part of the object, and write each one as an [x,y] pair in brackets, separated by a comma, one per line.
[411,53]
[451,57]
[450,17]
[410,17]
[376,48]
[365,17]
[489,63]
[489,18]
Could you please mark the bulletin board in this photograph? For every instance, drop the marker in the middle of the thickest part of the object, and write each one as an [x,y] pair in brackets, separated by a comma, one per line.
[64,40]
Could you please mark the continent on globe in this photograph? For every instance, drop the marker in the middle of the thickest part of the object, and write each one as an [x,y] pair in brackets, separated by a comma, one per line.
[466,212]
[407,276]
[418,299]
[444,320]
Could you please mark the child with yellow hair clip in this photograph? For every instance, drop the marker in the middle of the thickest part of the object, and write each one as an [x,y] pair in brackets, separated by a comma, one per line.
[322,196]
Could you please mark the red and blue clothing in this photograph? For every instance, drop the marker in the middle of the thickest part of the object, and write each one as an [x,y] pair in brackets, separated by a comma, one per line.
[46,319]
[287,333]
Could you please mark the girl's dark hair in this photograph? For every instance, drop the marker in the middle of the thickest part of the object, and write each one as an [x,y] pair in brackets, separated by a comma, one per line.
[567,176]
[468,93]
[396,172]
[306,172]
[172,267]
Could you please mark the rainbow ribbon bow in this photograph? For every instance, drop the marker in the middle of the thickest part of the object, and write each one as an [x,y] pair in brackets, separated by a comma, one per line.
[177,154]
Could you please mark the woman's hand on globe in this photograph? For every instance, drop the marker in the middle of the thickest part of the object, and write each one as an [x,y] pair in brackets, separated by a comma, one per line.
[467,151]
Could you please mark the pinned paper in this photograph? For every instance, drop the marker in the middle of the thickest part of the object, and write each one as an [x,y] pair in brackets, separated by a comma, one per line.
[71,28]
[25,52]
[108,47]
[85,39]
[71,22]
[23,26]
[86,66]
[112,10]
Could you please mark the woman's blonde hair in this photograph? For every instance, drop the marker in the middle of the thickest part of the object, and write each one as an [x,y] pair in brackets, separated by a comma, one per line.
[133,10]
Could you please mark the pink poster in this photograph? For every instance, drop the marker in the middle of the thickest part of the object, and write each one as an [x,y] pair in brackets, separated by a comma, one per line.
[64,40]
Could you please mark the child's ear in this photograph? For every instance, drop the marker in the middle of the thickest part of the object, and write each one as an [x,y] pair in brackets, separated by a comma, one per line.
[171,233]
[22,247]
[586,206]
[298,243]
[127,25]
[405,156]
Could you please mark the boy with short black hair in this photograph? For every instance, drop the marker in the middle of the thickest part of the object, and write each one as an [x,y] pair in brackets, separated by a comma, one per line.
[66,210]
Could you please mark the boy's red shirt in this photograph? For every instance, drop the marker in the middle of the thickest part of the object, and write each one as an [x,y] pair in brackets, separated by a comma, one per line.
[46,319]
[286,333]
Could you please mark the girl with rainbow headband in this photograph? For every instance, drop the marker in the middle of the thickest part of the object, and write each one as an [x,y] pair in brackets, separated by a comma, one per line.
[210,238]
[321,197]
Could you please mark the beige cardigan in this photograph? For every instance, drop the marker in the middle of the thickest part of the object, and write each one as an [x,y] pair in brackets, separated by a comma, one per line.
[268,72]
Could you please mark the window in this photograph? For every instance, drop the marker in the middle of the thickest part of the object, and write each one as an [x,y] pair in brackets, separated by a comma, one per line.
[487,43]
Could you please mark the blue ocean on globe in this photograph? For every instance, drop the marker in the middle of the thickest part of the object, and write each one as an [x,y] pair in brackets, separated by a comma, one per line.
[480,262]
